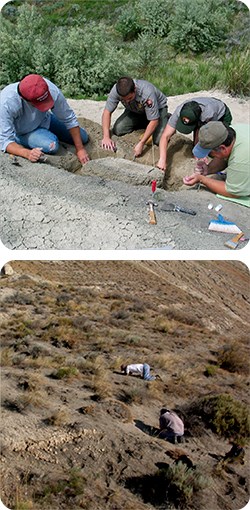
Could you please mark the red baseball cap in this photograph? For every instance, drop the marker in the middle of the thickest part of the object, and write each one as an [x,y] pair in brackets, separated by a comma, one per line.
[35,89]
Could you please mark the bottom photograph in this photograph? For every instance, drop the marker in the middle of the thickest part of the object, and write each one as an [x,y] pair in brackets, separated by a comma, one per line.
[125,385]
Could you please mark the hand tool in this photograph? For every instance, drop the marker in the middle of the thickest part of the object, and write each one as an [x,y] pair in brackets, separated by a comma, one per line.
[233,243]
[14,160]
[176,208]
[153,188]
[152,217]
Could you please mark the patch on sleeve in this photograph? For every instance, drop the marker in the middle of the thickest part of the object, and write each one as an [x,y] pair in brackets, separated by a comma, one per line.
[149,103]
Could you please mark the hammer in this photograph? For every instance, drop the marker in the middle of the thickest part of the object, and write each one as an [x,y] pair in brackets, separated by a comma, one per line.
[152,217]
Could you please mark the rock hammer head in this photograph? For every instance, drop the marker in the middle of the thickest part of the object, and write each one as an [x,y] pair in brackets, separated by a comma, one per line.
[152,204]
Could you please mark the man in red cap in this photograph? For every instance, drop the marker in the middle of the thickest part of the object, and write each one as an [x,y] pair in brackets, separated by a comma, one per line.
[34,116]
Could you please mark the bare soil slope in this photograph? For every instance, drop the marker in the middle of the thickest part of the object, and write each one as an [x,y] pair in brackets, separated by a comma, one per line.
[78,434]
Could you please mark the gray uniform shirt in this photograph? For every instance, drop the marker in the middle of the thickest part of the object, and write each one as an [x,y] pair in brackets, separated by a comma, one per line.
[18,117]
[148,100]
[211,109]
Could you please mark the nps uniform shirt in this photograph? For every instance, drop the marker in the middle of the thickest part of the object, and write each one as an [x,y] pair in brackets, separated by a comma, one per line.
[211,109]
[18,117]
[238,169]
[148,100]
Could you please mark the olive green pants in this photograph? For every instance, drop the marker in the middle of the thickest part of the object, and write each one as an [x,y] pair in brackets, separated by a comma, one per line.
[227,117]
[130,121]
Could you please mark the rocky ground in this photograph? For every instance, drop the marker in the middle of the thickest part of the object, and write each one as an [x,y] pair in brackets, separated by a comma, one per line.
[76,434]
[103,205]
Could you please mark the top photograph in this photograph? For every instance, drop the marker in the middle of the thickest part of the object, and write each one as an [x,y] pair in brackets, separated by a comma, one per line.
[124,125]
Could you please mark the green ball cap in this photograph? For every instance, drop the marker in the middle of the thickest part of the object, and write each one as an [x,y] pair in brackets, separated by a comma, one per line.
[189,117]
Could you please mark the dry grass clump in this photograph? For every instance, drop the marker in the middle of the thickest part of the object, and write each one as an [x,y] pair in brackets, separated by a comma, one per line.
[101,383]
[234,358]
[166,361]
[58,418]
[66,373]
[117,410]
[164,325]
[7,355]
[144,393]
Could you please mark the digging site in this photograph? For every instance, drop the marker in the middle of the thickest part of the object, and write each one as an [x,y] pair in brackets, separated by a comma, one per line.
[77,433]
[59,204]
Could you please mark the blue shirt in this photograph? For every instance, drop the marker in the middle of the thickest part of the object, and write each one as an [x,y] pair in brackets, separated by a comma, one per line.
[18,117]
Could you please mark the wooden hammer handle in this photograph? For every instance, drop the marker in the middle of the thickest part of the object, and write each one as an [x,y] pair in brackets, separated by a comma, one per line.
[152,217]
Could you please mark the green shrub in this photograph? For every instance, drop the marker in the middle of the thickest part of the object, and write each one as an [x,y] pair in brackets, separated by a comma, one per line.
[201,29]
[85,64]
[144,17]
[210,370]
[154,16]
[24,46]
[128,23]
[182,483]
[225,416]
[66,373]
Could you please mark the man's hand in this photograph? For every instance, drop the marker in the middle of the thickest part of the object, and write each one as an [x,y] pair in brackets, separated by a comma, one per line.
[190,180]
[35,154]
[162,165]
[82,156]
[108,144]
[138,149]
[201,168]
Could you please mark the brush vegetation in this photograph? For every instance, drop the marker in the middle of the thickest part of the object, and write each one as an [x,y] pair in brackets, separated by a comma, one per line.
[85,46]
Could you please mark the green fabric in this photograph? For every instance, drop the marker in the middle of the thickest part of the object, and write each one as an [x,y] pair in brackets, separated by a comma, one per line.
[227,117]
[241,201]
[238,169]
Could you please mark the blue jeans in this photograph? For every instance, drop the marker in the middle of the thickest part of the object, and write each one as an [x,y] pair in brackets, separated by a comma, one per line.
[146,373]
[48,139]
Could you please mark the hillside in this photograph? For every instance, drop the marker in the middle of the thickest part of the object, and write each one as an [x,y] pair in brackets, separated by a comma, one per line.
[79,435]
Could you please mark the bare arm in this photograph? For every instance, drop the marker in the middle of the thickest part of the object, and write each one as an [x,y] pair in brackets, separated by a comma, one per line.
[16,149]
[107,143]
[80,151]
[212,184]
[163,145]
[151,127]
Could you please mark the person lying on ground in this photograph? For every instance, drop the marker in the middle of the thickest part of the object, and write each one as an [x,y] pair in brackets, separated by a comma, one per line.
[139,369]
[145,108]
[171,425]
[34,116]
[189,117]
[229,148]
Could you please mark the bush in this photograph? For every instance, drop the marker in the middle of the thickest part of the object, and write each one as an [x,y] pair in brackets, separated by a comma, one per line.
[225,416]
[85,65]
[24,46]
[234,358]
[144,17]
[183,483]
[128,25]
[176,485]
[66,373]
[201,29]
